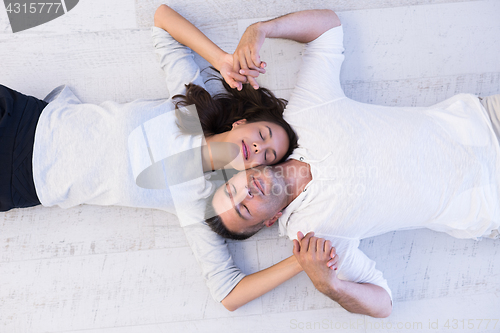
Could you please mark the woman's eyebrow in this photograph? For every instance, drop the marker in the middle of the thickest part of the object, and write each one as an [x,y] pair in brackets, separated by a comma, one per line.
[270,132]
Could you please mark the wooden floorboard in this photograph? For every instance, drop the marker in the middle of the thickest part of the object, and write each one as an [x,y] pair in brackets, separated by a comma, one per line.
[122,270]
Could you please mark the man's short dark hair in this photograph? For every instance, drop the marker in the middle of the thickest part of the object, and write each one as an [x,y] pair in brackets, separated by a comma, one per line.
[215,223]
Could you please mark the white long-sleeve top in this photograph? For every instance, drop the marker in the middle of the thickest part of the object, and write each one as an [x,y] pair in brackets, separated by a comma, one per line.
[82,156]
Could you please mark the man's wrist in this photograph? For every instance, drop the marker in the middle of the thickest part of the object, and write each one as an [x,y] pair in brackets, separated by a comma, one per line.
[333,290]
[263,27]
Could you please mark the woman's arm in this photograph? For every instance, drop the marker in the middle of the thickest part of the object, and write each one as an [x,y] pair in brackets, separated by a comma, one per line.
[257,284]
[186,33]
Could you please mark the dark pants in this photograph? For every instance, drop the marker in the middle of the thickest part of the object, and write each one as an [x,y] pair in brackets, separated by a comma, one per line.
[18,118]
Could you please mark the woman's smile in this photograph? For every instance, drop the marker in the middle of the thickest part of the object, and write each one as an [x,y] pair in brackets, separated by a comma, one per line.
[245,151]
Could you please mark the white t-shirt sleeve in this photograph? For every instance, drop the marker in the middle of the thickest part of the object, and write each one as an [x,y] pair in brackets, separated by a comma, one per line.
[319,76]
[210,250]
[355,266]
[177,62]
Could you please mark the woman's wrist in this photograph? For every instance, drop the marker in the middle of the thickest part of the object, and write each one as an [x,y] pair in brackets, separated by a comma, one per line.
[295,264]
[220,59]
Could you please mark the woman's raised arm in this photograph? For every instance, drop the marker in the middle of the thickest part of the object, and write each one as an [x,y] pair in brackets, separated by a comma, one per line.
[186,33]
[257,284]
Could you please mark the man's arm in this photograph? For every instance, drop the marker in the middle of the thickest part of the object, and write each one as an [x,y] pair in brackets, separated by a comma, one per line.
[313,254]
[257,284]
[304,27]
[186,33]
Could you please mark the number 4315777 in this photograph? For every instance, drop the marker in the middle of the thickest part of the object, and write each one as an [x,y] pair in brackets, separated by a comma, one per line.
[470,323]
[33,8]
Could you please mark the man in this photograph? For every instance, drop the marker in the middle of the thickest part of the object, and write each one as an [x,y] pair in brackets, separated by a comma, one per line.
[362,170]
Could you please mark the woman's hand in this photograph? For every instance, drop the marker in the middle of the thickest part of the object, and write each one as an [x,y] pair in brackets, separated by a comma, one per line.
[234,78]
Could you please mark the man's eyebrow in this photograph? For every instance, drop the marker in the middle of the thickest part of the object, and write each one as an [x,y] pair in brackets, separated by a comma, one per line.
[228,193]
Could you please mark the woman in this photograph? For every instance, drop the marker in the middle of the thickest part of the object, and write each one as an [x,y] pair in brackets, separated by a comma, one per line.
[64,152]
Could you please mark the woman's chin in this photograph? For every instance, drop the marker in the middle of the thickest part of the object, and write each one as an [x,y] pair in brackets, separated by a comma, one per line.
[238,166]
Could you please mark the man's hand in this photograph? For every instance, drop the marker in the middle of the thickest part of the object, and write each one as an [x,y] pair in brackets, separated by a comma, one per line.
[246,56]
[318,259]
[233,78]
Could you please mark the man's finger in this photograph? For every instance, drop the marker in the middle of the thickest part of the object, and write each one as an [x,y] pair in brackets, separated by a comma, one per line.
[243,61]
[256,59]
[300,235]
[252,72]
[327,246]
[320,245]
[312,245]
[296,247]
[304,243]
[249,59]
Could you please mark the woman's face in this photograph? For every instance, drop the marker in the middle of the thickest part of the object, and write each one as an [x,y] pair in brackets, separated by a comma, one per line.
[260,143]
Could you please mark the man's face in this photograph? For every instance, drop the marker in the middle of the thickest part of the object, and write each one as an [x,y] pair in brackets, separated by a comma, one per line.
[252,197]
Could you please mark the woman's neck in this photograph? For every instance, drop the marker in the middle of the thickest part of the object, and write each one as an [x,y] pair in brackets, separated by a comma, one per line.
[221,137]
[217,154]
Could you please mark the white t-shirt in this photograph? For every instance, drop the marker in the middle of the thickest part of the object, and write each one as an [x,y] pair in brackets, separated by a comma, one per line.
[83,153]
[377,169]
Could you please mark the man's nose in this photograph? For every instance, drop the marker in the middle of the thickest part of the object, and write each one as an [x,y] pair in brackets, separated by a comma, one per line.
[243,195]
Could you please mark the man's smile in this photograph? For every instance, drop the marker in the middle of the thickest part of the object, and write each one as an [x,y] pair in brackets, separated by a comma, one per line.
[258,185]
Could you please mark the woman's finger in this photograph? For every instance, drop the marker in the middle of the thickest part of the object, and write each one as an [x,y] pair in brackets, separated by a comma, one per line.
[333,253]
[236,64]
[237,77]
[253,82]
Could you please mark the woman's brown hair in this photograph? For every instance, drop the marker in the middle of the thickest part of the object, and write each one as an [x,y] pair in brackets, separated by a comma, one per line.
[217,113]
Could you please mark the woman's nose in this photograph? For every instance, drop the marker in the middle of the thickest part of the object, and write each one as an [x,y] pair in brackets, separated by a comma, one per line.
[258,147]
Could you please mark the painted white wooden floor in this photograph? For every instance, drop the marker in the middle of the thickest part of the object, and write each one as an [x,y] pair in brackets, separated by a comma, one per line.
[121,270]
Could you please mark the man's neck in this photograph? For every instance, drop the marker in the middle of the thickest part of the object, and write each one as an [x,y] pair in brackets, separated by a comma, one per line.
[297,175]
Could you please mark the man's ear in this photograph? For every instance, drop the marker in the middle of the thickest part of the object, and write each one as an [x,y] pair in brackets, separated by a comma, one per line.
[239,122]
[271,221]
